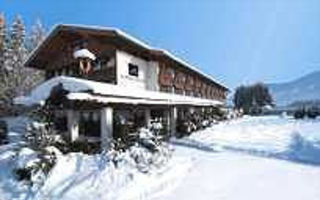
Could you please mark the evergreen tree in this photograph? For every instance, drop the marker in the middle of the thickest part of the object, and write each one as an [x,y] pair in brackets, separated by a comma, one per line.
[2,39]
[17,55]
[4,63]
[261,94]
[3,44]
[15,79]
[36,36]
[17,45]
[252,97]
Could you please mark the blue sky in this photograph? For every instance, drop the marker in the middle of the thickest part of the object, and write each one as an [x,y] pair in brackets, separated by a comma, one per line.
[235,41]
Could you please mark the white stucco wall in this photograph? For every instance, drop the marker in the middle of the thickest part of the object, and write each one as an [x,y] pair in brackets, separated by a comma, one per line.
[148,72]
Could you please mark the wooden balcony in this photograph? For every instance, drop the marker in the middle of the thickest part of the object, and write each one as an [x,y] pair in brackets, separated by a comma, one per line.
[99,72]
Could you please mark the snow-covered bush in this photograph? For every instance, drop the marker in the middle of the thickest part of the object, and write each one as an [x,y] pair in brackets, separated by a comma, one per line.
[205,123]
[148,152]
[185,127]
[23,174]
[145,160]
[156,127]
[33,166]
[40,135]
[200,119]
[312,113]
[38,156]
[148,139]
[77,146]
[299,114]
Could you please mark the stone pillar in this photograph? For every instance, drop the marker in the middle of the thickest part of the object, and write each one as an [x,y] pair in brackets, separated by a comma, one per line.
[106,125]
[73,124]
[173,120]
[147,116]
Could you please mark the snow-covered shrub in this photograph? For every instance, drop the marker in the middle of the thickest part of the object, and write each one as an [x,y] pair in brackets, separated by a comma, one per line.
[148,152]
[40,135]
[47,160]
[160,129]
[123,131]
[148,139]
[218,114]
[145,160]
[78,146]
[23,174]
[41,131]
[312,113]
[299,114]
[157,128]
[205,123]
[127,134]
[37,158]
[34,166]
[185,127]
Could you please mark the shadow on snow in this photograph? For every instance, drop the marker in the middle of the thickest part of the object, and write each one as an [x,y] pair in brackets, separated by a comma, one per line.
[299,149]
[191,143]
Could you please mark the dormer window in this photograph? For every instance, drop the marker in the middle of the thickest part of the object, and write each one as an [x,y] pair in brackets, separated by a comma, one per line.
[133,70]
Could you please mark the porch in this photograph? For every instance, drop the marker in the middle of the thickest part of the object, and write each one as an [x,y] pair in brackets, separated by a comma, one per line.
[117,121]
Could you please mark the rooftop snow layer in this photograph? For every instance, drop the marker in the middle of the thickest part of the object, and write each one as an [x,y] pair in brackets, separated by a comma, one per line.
[81,89]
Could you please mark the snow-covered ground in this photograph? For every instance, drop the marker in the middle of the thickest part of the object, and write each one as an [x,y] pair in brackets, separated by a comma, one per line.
[230,176]
[252,158]
[79,176]
[248,158]
[271,136]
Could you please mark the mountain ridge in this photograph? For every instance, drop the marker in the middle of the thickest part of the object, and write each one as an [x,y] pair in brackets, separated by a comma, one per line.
[304,88]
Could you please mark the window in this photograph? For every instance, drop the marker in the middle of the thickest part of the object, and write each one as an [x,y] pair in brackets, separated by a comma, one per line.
[90,123]
[96,65]
[133,70]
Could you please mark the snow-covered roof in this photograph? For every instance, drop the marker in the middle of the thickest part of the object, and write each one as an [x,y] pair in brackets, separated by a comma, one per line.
[86,90]
[131,39]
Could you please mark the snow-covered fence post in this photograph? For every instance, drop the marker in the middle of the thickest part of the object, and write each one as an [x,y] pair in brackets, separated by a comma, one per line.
[106,126]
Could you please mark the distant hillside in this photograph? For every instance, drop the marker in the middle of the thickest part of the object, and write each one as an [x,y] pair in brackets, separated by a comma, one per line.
[301,89]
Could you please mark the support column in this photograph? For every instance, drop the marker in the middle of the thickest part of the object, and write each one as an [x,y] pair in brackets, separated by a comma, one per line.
[173,120]
[106,125]
[167,117]
[147,116]
[73,124]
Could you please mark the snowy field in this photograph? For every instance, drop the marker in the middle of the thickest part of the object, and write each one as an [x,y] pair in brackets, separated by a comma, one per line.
[252,158]
[271,136]
[249,158]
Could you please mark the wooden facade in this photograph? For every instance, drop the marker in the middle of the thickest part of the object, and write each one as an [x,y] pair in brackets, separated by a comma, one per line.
[55,57]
